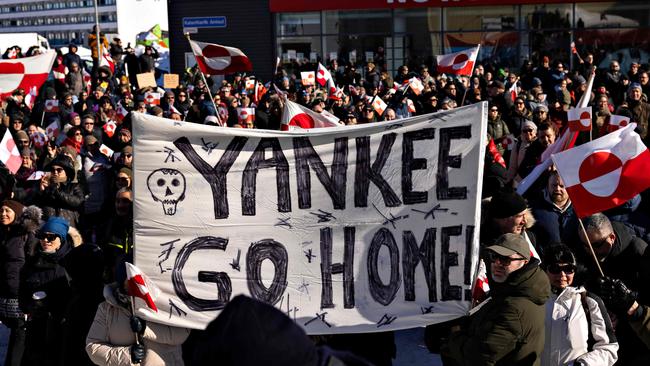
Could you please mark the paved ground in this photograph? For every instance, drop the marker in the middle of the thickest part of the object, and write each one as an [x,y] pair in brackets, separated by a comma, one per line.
[411,350]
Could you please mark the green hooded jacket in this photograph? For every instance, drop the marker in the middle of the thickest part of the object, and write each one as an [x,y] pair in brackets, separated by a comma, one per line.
[509,328]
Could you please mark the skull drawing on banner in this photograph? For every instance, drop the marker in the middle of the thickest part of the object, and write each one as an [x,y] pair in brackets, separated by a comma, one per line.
[168,187]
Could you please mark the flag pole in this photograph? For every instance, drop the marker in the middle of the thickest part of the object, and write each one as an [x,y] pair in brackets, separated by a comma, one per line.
[137,341]
[216,110]
[478,48]
[591,249]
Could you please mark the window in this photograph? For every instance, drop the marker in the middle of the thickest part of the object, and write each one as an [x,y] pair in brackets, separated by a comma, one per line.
[297,24]
[357,21]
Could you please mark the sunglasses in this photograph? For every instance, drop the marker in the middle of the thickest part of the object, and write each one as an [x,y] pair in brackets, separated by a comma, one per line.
[47,237]
[600,243]
[494,110]
[494,257]
[527,130]
[566,268]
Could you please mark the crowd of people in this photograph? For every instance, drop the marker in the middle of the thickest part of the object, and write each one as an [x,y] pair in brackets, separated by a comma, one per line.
[67,213]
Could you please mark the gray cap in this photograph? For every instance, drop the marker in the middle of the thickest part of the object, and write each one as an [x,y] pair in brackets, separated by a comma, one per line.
[509,244]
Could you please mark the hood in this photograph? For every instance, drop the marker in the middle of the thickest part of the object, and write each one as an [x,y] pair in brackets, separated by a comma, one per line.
[530,281]
[623,238]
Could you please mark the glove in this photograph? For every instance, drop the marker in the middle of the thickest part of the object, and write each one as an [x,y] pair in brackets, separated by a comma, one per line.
[616,296]
[138,325]
[137,353]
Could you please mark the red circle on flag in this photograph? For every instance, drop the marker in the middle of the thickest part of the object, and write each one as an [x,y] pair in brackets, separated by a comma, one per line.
[216,58]
[460,59]
[12,75]
[302,120]
[585,115]
[597,165]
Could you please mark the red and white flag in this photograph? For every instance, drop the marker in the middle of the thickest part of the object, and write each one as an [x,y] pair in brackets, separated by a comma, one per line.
[9,153]
[28,73]
[308,78]
[296,116]
[107,61]
[458,63]
[216,59]
[138,286]
[323,75]
[496,155]
[109,128]
[579,119]
[120,111]
[38,139]
[379,105]
[411,106]
[513,91]
[606,172]
[52,131]
[59,72]
[107,151]
[616,122]
[88,80]
[245,115]
[249,84]
[260,90]
[416,85]
[52,106]
[151,98]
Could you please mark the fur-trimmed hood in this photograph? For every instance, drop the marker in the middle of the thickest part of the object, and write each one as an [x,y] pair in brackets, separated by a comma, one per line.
[31,218]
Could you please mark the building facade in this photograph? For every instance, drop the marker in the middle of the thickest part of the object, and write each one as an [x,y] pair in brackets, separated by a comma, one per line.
[65,21]
[413,32]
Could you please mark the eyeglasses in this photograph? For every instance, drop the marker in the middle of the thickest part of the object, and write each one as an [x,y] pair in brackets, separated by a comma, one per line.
[566,268]
[89,123]
[57,170]
[47,237]
[23,142]
[527,130]
[493,257]
[123,179]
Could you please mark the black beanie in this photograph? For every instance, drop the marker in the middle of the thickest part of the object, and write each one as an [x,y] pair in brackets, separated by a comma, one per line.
[506,204]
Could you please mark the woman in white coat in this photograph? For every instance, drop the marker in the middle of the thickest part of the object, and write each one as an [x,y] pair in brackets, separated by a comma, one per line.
[111,339]
[578,328]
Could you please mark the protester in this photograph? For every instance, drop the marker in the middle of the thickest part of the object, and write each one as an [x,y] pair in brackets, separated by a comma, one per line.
[44,294]
[515,311]
[119,337]
[624,260]
[578,328]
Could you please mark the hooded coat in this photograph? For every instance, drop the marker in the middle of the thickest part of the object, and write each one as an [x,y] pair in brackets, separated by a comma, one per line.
[628,261]
[509,327]
[110,337]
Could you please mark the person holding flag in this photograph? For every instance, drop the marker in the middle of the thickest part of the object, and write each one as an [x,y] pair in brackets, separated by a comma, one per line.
[119,337]
[601,175]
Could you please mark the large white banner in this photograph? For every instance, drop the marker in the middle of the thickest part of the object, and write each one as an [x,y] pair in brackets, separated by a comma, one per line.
[350,229]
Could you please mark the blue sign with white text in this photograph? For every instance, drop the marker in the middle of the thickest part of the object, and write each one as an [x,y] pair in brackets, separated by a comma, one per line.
[205,22]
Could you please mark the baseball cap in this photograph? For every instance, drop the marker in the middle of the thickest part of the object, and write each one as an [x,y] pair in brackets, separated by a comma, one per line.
[509,244]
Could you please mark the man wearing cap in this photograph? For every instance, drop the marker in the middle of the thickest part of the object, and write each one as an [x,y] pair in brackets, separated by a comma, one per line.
[508,329]
[639,109]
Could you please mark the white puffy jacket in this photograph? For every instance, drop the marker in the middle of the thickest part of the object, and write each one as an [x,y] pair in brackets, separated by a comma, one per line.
[567,333]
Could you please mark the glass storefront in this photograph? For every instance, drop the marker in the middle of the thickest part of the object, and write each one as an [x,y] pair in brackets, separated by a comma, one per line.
[508,34]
